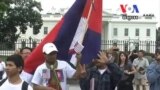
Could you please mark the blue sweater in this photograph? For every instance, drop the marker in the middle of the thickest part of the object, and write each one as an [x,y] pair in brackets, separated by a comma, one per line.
[153,75]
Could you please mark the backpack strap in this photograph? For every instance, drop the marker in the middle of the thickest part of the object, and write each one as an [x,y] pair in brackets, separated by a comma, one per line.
[25,86]
[1,82]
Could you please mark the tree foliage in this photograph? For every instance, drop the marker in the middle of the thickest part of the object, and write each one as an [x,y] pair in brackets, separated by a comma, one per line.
[19,14]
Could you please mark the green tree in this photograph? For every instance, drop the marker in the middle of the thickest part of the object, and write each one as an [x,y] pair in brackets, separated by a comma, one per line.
[19,14]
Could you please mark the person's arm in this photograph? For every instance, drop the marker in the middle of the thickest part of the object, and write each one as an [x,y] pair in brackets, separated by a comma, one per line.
[133,70]
[153,72]
[80,69]
[130,54]
[116,74]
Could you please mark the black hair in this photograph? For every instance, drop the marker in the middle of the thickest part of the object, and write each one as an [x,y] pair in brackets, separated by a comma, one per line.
[142,51]
[17,60]
[21,50]
[134,51]
[114,44]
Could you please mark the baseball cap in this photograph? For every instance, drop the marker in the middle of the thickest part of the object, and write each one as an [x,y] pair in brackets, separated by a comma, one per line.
[49,47]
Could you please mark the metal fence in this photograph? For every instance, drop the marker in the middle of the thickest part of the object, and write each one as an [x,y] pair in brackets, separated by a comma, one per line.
[8,47]
[148,46]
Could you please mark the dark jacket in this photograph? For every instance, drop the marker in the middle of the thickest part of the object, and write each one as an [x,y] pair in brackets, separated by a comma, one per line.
[106,81]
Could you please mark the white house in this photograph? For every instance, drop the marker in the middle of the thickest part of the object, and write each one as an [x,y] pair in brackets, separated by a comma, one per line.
[131,28]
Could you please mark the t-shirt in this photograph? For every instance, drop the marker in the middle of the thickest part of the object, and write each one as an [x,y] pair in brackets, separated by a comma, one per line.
[9,86]
[138,63]
[41,76]
[125,76]
[26,77]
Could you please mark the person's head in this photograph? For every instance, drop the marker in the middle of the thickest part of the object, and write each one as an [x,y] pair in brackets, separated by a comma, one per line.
[50,53]
[14,65]
[25,52]
[114,44]
[141,53]
[123,57]
[114,47]
[134,51]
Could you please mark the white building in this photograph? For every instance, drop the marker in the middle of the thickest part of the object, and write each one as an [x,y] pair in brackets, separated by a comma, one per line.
[118,27]
[114,27]
[131,28]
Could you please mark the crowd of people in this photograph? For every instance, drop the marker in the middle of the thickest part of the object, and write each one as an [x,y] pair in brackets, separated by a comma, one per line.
[110,70]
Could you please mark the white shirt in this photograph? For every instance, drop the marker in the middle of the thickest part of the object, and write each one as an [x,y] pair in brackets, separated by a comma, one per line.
[26,77]
[2,66]
[102,70]
[140,63]
[9,86]
[40,78]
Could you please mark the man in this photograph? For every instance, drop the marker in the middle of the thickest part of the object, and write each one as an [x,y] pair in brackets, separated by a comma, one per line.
[25,52]
[52,74]
[153,73]
[141,65]
[114,47]
[14,66]
[104,76]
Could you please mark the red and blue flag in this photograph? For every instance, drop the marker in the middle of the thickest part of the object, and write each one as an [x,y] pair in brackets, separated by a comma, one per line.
[82,23]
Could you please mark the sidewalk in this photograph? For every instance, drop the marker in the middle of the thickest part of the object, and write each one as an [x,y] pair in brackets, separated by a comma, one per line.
[73,85]
[76,87]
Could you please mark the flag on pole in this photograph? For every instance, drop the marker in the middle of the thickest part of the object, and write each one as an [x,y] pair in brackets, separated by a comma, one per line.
[81,25]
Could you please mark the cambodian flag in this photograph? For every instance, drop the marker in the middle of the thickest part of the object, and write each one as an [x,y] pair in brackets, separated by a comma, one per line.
[81,24]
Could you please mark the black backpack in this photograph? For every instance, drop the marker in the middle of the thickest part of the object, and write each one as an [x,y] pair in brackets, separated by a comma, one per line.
[24,85]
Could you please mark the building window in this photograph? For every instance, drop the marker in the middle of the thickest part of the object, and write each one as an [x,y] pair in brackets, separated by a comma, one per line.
[148,32]
[45,30]
[126,32]
[137,32]
[115,32]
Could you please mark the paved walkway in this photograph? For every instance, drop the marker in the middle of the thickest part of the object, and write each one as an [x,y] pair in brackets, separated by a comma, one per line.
[73,85]
[76,87]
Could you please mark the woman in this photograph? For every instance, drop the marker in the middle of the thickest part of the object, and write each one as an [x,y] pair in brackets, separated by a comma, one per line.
[126,81]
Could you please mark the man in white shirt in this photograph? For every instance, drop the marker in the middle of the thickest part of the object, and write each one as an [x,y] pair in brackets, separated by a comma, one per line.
[52,74]
[14,66]
[25,53]
[141,65]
